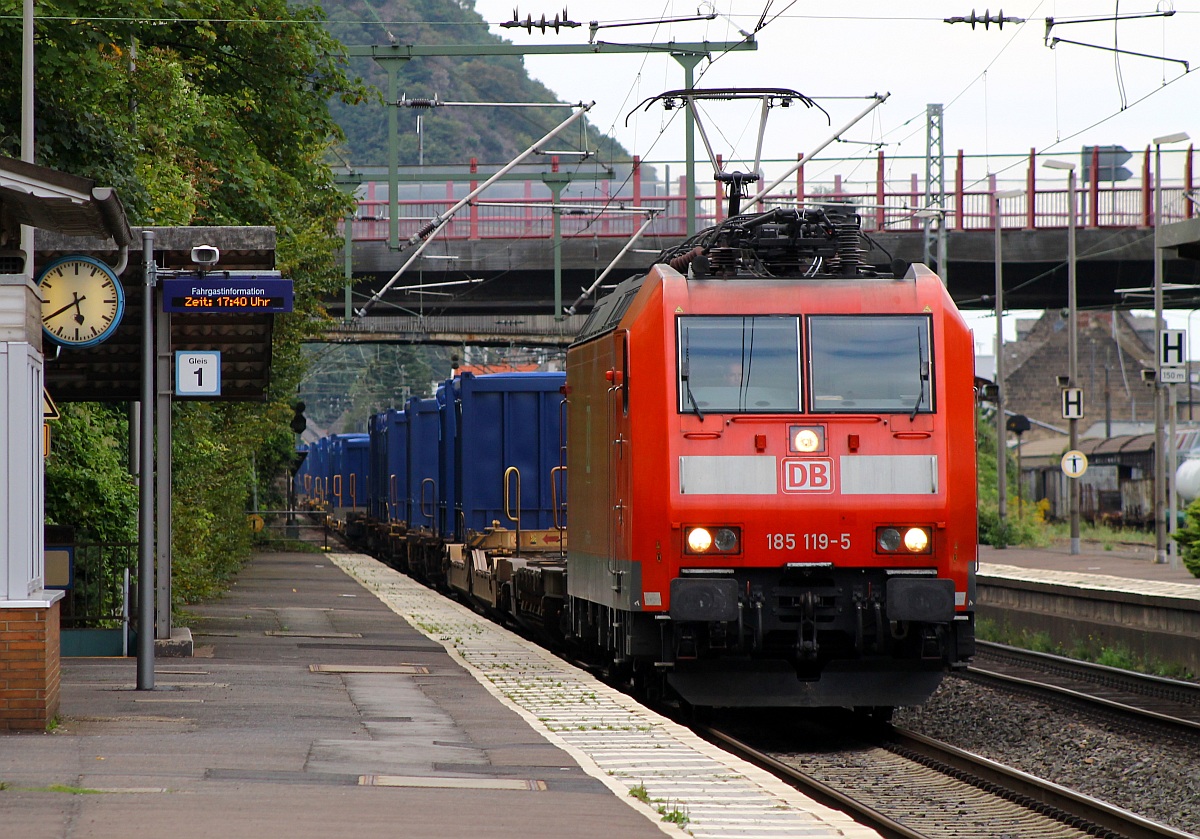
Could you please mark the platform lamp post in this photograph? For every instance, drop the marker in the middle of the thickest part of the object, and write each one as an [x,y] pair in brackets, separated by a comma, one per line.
[1073,342]
[1160,460]
[1001,430]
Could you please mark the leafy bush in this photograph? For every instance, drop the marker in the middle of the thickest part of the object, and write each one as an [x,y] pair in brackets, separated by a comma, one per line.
[1188,538]
[88,485]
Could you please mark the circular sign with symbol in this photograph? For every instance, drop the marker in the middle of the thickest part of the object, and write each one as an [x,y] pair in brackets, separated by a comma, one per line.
[255,522]
[1074,463]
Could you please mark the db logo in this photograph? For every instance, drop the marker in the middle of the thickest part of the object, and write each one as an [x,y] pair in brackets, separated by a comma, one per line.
[808,475]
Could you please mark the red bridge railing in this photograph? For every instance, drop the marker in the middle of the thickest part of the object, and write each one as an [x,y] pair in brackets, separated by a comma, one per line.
[885,202]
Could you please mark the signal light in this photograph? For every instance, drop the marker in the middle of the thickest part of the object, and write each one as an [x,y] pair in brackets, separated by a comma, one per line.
[299,423]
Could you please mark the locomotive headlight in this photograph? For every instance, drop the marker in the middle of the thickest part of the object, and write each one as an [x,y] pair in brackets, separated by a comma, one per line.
[900,540]
[712,540]
[916,540]
[806,438]
[726,540]
[699,540]
[888,539]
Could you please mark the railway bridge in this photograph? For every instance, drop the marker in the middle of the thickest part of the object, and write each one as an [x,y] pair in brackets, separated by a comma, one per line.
[505,265]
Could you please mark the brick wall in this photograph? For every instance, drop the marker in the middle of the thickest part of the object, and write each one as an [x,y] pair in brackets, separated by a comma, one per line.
[1033,365]
[29,668]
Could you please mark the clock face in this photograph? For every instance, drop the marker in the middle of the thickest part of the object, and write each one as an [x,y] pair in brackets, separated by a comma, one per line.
[82,301]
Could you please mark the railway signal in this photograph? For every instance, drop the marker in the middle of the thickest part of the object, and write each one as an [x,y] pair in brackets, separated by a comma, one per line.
[299,423]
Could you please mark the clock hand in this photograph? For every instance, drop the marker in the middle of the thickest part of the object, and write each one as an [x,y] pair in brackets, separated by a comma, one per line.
[78,311]
[74,302]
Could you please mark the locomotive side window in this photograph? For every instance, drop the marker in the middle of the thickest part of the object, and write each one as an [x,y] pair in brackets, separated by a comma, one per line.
[739,364]
[872,363]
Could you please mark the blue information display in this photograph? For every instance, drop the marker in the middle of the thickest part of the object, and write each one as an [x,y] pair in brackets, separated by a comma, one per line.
[227,292]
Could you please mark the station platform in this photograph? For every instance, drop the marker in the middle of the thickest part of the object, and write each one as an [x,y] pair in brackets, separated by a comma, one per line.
[1097,600]
[330,696]
[1125,567]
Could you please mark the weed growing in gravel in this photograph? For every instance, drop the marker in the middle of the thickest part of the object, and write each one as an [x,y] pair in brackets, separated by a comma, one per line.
[670,812]
[673,814]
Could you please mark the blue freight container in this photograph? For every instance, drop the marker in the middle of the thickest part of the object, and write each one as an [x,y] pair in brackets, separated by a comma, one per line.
[348,470]
[395,464]
[489,424]
[377,475]
[318,454]
[422,493]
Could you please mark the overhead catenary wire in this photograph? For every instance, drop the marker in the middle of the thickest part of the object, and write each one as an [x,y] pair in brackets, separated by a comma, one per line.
[425,235]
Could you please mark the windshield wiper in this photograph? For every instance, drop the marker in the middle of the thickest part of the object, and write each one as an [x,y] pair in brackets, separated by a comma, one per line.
[687,387]
[685,374]
[922,376]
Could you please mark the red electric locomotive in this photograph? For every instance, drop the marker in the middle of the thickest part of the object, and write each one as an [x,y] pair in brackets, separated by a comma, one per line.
[772,474]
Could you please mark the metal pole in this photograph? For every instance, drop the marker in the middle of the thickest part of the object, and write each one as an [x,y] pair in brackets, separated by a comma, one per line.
[1073,363]
[1172,468]
[689,63]
[556,187]
[163,394]
[1001,448]
[145,644]
[1190,390]
[27,126]
[1160,458]
[393,159]
[1160,478]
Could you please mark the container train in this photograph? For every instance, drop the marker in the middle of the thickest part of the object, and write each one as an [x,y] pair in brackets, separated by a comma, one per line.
[768,448]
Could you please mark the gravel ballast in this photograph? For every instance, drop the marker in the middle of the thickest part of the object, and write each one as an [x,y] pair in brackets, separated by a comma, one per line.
[1144,773]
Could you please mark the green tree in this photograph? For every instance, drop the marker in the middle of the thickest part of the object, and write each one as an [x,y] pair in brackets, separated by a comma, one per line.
[199,112]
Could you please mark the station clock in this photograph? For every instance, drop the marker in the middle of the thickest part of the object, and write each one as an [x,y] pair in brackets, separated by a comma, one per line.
[82,301]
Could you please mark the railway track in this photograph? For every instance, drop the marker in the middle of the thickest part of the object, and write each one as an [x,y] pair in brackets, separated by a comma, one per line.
[1114,693]
[907,786]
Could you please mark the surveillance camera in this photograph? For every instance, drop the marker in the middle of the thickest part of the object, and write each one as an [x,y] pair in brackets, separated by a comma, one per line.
[1063,381]
[205,255]
[1148,376]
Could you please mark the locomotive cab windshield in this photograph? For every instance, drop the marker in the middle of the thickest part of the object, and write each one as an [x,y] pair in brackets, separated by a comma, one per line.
[857,364]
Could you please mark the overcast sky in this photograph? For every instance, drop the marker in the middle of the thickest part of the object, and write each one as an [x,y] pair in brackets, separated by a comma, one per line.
[1004,91]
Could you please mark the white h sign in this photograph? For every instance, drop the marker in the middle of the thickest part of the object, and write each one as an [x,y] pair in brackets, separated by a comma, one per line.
[1072,403]
[1172,348]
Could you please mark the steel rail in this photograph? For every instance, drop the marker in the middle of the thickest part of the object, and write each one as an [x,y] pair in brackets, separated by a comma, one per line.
[1060,798]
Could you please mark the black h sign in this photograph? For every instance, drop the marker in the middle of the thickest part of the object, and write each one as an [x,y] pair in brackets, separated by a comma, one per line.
[1072,403]
[1171,352]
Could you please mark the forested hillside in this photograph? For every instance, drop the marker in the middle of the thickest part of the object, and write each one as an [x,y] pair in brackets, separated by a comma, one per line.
[451,135]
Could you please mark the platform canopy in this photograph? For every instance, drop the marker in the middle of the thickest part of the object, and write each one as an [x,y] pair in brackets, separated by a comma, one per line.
[112,371]
[74,216]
